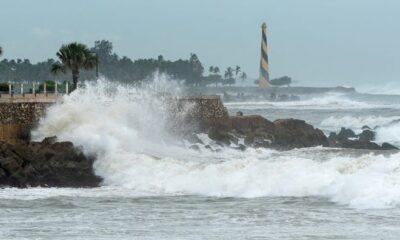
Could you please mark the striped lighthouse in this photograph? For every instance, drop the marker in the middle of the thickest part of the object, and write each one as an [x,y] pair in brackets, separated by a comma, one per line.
[264,67]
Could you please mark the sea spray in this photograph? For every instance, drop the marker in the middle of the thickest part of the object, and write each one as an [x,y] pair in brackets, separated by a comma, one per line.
[334,123]
[326,101]
[136,156]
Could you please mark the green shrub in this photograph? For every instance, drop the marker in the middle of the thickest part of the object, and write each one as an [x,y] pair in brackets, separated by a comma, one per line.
[4,87]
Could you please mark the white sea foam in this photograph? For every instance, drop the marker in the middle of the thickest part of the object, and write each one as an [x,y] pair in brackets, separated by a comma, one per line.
[389,133]
[327,101]
[389,88]
[387,128]
[334,123]
[136,157]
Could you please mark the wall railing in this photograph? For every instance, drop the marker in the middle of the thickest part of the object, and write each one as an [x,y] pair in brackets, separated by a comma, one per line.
[33,91]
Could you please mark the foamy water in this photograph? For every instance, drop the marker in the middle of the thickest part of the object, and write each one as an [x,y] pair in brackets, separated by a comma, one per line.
[153,180]
[328,101]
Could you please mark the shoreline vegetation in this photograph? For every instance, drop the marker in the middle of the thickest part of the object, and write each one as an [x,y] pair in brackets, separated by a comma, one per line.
[188,72]
[49,163]
[81,60]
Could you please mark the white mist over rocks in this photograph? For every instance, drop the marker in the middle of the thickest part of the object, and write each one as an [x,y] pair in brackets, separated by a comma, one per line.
[328,101]
[126,129]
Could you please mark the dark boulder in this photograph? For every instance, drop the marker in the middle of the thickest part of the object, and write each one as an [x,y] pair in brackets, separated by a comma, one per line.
[250,124]
[346,139]
[388,146]
[365,127]
[367,135]
[294,133]
[221,135]
[346,134]
[260,132]
[356,144]
[47,164]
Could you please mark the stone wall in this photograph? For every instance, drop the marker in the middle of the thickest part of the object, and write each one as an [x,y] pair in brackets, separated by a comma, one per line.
[189,113]
[18,118]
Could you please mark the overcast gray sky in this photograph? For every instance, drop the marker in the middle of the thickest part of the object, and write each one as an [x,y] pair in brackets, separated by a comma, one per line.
[316,42]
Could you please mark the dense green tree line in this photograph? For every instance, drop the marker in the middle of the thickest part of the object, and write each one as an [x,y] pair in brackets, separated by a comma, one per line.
[186,71]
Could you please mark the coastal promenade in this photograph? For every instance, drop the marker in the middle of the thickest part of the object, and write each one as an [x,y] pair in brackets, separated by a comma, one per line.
[19,113]
[29,97]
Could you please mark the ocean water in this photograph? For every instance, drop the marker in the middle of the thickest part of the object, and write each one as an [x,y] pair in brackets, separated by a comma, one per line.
[155,187]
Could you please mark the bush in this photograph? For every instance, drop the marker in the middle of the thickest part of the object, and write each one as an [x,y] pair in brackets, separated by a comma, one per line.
[4,87]
[50,86]
[285,80]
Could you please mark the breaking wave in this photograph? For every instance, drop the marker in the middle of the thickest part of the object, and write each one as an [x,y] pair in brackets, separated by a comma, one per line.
[327,101]
[137,157]
[389,133]
[356,123]
[389,88]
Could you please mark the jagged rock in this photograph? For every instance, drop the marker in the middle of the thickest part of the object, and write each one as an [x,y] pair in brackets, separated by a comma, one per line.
[260,132]
[363,142]
[356,144]
[219,134]
[367,135]
[45,164]
[294,133]
[49,140]
[346,134]
[250,124]
[387,146]
[365,127]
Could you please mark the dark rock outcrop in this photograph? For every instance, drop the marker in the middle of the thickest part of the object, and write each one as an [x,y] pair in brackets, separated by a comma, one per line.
[346,138]
[296,133]
[367,135]
[388,146]
[346,134]
[260,132]
[47,164]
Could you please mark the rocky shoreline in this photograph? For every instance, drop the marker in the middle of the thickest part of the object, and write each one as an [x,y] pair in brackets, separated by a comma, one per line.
[61,164]
[45,164]
[285,134]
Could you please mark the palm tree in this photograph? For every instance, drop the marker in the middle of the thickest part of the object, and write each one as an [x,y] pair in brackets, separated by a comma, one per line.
[217,77]
[229,80]
[211,69]
[216,70]
[237,71]
[243,77]
[229,73]
[74,56]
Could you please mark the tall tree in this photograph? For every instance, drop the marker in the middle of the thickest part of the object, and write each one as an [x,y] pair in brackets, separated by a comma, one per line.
[74,56]
[229,76]
[243,77]
[216,70]
[237,71]
[228,73]
[196,69]
[211,70]
[104,51]
[1,50]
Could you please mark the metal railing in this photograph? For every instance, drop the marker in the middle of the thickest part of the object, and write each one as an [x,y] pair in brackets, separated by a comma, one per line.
[34,91]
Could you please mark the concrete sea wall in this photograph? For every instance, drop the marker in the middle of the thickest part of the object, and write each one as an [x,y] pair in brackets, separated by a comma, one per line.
[203,111]
[18,118]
